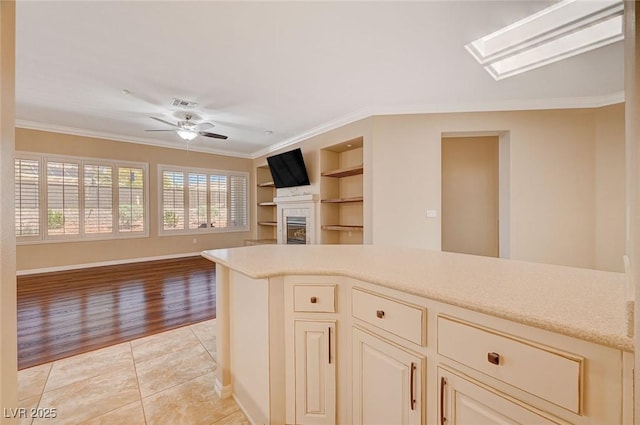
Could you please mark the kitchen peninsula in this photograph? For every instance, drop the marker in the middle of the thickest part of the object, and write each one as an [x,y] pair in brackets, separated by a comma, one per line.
[325,334]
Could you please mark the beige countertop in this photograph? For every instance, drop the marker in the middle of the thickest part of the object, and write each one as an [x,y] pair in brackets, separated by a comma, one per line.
[583,303]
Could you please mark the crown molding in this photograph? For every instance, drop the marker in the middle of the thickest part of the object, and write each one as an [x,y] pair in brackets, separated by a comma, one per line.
[33,125]
[513,105]
[503,106]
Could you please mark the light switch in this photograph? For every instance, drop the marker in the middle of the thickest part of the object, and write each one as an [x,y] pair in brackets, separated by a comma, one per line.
[432,213]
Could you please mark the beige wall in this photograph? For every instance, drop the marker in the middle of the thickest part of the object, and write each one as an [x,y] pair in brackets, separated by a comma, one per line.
[8,338]
[609,179]
[566,185]
[36,256]
[552,174]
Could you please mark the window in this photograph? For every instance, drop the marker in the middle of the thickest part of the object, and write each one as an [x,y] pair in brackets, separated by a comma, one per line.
[63,202]
[98,199]
[203,200]
[131,196]
[27,197]
[80,198]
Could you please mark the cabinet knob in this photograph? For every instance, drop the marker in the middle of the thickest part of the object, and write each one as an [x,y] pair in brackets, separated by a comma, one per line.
[314,300]
[380,314]
[493,358]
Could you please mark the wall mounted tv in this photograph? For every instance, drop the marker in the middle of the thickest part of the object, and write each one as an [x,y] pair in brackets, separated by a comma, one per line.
[288,170]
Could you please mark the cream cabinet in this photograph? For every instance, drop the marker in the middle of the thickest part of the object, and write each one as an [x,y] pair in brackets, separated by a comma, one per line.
[311,351]
[315,372]
[387,382]
[463,401]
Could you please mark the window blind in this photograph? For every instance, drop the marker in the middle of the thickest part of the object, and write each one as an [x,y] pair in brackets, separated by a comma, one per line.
[63,198]
[131,199]
[27,197]
[211,200]
[172,200]
[98,199]
[76,198]
[198,214]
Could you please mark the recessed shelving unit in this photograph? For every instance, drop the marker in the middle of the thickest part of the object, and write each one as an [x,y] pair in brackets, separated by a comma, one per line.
[345,172]
[341,193]
[268,223]
[343,228]
[343,200]
[266,211]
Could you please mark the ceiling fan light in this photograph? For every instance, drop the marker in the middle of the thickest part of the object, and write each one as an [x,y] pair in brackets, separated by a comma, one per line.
[187,134]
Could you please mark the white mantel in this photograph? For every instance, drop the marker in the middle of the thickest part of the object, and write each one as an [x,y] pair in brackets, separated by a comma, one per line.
[297,206]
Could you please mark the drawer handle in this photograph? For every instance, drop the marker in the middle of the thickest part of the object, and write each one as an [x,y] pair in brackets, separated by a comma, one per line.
[493,358]
[411,385]
[443,383]
[380,314]
[314,300]
[329,334]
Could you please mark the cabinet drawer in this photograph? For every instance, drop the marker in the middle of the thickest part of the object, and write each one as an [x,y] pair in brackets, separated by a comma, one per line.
[542,371]
[406,321]
[314,298]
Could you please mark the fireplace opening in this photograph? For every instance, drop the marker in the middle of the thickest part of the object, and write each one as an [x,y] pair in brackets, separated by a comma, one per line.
[296,230]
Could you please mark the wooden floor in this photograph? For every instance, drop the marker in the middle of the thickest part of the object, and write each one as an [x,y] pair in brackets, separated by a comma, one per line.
[61,314]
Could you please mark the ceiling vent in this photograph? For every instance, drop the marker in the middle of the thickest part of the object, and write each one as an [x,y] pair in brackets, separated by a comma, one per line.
[182,104]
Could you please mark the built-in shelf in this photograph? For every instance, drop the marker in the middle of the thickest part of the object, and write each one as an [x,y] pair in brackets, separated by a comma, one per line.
[343,228]
[345,172]
[343,200]
[266,212]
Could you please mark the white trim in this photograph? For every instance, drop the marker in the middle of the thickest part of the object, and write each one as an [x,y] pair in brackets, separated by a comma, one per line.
[223,391]
[27,272]
[432,108]
[53,128]
[560,31]
[242,408]
[440,108]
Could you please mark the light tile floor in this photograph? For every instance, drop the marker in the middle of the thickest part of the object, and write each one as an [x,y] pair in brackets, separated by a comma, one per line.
[166,378]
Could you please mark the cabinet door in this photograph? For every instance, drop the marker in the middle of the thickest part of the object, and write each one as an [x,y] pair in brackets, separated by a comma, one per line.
[315,371]
[463,401]
[387,382]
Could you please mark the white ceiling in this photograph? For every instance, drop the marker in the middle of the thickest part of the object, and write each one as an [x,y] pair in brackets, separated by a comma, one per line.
[294,68]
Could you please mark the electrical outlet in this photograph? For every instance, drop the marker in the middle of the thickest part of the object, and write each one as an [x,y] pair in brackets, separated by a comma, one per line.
[195,240]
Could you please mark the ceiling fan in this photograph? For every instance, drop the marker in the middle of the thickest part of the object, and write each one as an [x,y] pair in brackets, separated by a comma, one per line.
[188,130]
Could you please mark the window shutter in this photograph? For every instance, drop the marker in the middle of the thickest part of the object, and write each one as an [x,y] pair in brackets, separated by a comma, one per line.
[239,211]
[27,197]
[63,198]
[218,200]
[198,201]
[172,200]
[131,199]
[98,199]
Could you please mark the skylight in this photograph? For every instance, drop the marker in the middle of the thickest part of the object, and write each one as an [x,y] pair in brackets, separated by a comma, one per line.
[565,29]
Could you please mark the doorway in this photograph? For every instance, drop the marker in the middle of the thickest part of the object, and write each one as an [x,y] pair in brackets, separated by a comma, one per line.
[470,195]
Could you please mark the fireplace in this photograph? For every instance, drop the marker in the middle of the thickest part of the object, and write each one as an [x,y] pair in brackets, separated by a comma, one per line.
[296,230]
[296,219]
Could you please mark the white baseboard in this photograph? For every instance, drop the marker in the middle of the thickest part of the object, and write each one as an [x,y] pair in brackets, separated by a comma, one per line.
[222,390]
[104,263]
[244,411]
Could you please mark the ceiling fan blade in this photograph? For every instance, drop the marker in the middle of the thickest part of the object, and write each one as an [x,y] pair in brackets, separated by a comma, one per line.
[163,121]
[214,135]
[203,125]
[159,130]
